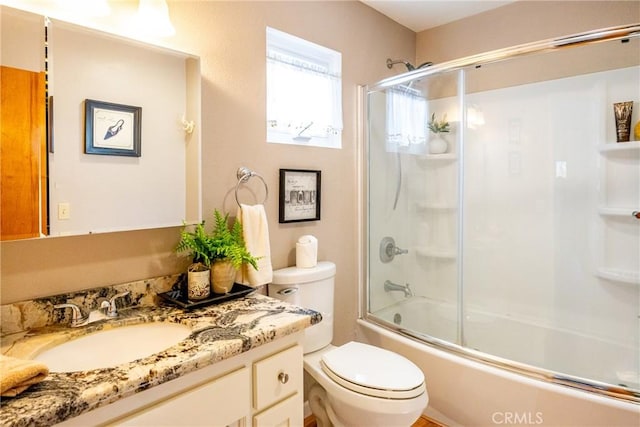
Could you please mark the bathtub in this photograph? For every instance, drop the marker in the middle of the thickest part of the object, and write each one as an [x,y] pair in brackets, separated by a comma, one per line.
[469,392]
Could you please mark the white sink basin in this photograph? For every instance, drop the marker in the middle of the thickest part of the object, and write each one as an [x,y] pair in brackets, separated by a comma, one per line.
[113,347]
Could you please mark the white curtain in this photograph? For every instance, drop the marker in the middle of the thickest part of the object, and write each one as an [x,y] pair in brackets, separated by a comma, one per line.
[303,97]
[406,119]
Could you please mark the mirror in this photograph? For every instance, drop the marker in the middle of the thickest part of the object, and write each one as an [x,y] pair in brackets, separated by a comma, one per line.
[77,192]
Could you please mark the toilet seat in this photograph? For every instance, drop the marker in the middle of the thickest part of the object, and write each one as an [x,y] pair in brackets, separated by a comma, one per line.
[373,371]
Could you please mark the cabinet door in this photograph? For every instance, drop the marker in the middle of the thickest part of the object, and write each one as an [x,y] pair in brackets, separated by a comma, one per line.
[23,148]
[277,377]
[288,413]
[220,402]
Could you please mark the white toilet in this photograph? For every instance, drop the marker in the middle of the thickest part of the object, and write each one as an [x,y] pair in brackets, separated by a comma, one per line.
[357,384]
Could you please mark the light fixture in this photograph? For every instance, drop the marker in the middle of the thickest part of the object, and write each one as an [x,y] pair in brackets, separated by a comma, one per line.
[153,17]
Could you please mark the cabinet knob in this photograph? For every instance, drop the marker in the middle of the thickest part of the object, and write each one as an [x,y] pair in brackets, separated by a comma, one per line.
[636,214]
[283,377]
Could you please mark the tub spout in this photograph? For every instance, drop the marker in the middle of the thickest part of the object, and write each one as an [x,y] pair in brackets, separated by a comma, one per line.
[390,286]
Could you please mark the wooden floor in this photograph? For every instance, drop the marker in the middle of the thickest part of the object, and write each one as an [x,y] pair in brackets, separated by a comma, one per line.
[426,422]
[423,421]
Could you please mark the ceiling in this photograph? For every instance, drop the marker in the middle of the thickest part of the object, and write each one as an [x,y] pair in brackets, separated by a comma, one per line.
[419,15]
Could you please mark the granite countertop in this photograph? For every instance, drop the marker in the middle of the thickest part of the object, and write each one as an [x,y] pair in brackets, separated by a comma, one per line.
[219,332]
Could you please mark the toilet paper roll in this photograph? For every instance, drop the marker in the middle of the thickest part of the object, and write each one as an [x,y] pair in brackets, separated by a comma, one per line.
[306,252]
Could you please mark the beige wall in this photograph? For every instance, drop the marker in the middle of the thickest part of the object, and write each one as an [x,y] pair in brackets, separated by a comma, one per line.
[520,22]
[230,38]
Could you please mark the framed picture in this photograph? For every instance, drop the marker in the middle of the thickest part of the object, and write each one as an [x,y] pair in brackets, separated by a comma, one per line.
[299,195]
[112,129]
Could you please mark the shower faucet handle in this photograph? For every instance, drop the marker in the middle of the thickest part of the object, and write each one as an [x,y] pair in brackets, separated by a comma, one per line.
[397,251]
[388,250]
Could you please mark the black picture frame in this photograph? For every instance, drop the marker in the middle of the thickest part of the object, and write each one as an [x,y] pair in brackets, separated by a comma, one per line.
[112,129]
[299,195]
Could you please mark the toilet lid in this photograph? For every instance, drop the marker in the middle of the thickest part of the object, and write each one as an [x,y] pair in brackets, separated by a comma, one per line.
[373,371]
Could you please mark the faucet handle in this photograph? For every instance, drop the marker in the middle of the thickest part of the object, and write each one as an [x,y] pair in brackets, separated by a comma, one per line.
[113,309]
[77,318]
[103,305]
[399,251]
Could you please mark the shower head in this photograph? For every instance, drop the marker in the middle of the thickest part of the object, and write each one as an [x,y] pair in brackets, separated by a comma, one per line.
[410,67]
[424,64]
[391,63]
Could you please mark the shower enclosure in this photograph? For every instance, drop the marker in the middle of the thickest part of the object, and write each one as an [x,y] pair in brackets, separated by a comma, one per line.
[520,245]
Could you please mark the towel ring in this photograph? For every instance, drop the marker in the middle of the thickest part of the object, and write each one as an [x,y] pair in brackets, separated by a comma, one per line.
[244,174]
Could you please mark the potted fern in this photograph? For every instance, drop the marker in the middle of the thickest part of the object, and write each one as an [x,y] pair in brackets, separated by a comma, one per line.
[227,252]
[438,145]
[196,243]
[223,251]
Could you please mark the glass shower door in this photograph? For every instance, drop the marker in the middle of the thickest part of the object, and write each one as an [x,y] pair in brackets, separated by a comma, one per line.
[413,207]
[520,245]
[551,250]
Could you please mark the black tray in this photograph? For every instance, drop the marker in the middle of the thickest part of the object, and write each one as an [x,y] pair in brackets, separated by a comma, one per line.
[179,298]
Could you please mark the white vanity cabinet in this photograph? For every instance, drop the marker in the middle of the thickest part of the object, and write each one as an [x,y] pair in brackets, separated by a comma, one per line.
[277,389]
[262,387]
[221,401]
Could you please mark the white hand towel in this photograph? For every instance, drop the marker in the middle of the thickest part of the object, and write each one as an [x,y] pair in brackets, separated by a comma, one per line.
[255,231]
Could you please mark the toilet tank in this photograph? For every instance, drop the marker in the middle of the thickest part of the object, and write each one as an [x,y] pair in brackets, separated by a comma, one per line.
[309,288]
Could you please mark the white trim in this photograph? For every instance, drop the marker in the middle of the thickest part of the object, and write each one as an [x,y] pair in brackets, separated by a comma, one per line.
[288,57]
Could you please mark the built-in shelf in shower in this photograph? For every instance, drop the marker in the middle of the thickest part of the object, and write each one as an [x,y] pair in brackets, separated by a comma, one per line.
[617,275]
[436,159]
[435,206]
[618,234]
[427,252]
[621,212]
[614,147]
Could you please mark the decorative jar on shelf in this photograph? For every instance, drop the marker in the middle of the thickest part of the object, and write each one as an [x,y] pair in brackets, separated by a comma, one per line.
[438,145]
[198,282]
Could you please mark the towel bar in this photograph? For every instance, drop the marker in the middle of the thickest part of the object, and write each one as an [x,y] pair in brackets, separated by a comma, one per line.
[244,174]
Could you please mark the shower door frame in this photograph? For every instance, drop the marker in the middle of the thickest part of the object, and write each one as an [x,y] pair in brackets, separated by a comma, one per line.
[589,37]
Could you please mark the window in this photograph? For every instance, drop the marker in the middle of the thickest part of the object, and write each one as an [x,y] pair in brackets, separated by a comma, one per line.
[304,92]
[406,126]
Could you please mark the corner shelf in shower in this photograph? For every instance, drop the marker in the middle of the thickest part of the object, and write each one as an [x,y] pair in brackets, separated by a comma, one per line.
[617,147]
[436,159]
[621,158]
[427,252]
[619,212]
[435,207]
[622,276]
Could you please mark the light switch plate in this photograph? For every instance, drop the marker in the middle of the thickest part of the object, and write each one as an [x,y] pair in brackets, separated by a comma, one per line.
[64,211]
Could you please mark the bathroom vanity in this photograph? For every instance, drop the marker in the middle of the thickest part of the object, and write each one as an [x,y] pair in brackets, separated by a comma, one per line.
[262,387]
[241,365]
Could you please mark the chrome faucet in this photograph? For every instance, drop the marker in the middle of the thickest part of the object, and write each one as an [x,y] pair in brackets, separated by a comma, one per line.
[390,286]
[113,308]
[106,309]
[77,317]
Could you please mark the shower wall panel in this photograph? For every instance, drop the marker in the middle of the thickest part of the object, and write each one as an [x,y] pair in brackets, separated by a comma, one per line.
[532,240]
